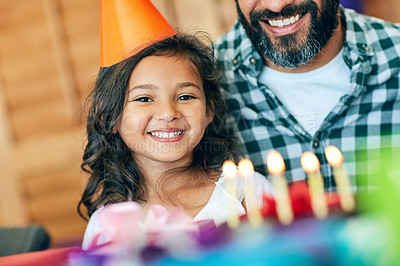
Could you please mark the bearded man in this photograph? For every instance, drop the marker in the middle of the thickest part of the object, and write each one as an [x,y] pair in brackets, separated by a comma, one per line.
[300,75]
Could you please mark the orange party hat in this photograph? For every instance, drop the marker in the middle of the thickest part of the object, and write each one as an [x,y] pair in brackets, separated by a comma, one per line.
[128,26]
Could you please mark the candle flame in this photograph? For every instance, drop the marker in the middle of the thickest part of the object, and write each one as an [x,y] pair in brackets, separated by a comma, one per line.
[246,168]
[309,162]
[229,170]
[334,156]
[275,163]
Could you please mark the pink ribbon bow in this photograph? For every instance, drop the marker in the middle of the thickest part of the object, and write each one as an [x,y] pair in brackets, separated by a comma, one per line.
[125,224]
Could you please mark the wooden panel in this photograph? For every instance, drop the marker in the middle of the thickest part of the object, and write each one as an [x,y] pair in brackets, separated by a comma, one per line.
[12,211]
[82,30]
[200,20]
[12,207]
[48,152]
[167,9]
[29,71]
[52,183]
[213,16]
[385,9]
[28,92]
[39,184]
[60,51]
[69,231]
[52,198]
[27,65]
[49,53]
[226,11]
[53,195]
[40,119]
[49,206]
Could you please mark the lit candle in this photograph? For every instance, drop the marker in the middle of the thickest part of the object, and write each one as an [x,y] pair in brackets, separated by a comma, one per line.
[311,165]
[335,159]
[276,168]
[230,172]
[246,170]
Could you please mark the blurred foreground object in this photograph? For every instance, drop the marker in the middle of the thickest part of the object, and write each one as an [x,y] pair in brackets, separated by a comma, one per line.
[383,199]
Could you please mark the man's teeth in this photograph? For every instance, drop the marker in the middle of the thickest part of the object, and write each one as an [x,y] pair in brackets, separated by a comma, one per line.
[166,135]
[284,22]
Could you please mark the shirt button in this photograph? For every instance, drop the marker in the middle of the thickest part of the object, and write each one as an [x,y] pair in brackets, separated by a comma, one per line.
[253,61]
[315,143]
[366,48]
[235,61]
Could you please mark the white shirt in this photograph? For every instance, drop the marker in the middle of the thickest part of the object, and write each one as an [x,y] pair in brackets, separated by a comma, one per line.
[216,208]
[310,96]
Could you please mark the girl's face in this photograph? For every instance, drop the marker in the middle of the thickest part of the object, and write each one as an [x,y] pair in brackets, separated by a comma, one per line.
[165,116]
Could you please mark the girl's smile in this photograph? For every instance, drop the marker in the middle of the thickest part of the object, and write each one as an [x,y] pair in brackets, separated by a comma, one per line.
[165,115]
[167,134]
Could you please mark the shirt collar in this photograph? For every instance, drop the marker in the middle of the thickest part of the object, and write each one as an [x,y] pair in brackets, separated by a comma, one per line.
[244,54]
[357,37]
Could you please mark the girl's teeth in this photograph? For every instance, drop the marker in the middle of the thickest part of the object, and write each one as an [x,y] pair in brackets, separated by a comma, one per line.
[166,135]
[284,22]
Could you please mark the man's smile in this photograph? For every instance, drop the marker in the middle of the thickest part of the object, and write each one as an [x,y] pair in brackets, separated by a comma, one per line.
[283,22]
[283,26]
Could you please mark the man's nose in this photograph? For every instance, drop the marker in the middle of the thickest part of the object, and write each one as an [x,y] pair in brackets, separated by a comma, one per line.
[275,5]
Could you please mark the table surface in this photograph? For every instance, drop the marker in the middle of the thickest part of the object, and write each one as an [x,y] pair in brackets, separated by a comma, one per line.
[46,257]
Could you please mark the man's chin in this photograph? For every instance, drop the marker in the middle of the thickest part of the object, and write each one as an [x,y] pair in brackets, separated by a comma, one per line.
[286,49]
[288,57]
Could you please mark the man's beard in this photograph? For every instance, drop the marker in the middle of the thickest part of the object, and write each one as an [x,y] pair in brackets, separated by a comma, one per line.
[290,51]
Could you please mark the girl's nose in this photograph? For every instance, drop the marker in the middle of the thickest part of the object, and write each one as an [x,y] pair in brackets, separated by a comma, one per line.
[275,5]
[167,111]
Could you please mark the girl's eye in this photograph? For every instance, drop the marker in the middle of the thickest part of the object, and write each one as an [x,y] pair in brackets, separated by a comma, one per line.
[185,97]
[143,99]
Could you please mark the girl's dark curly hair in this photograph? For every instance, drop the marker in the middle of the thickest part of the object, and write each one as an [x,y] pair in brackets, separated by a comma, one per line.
[114,175]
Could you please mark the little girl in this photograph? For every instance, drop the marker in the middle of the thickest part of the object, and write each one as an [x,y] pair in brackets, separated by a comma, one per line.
[156,135]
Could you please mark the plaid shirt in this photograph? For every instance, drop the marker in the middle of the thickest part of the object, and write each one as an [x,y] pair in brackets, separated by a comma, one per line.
[364,121]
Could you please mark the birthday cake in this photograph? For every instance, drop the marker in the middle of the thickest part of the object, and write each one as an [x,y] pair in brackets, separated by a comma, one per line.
[174,239]
[342,236]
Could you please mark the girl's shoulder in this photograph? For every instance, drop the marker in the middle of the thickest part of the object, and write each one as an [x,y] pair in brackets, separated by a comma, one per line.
[261,183]
[93,227]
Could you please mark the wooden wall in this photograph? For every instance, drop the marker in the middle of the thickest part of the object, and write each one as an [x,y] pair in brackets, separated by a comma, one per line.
[49,54]
[385,9]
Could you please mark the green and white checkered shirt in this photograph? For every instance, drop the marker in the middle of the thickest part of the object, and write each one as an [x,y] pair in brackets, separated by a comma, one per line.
[364,121]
